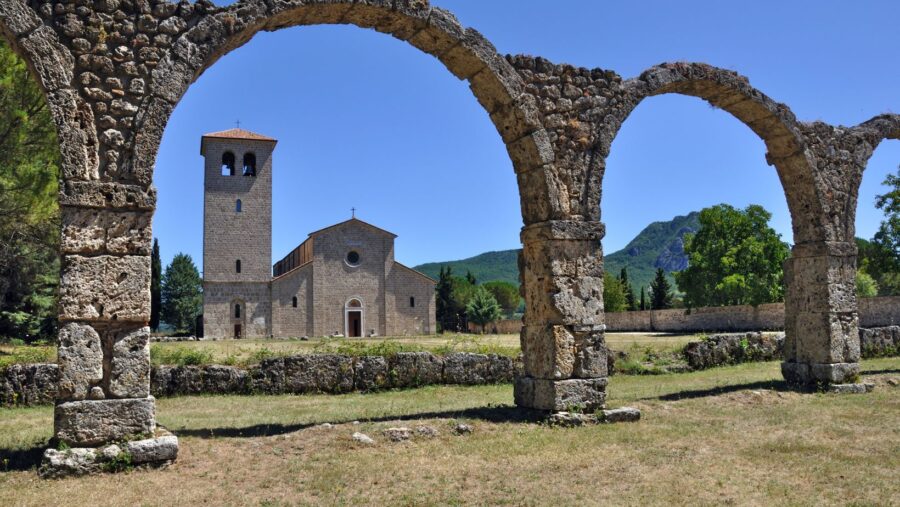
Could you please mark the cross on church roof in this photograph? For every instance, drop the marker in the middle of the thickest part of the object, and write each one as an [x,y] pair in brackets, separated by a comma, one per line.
[237,123]
[352,212]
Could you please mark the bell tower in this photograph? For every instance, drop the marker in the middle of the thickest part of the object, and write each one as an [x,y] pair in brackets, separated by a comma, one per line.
[237,233]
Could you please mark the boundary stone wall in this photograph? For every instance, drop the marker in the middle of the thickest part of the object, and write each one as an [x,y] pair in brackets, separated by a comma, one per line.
[36,384]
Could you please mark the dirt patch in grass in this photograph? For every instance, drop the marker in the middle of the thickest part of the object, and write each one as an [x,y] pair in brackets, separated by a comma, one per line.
[729,435]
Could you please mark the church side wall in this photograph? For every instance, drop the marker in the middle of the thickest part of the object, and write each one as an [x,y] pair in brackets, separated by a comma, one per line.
[335,282]
[288,321]
[218,309]
[404,319]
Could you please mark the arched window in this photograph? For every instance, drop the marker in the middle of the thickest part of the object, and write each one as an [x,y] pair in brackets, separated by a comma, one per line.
[237,266]
[237,206]
[228,164]
[294,302]
[354,303]
[249,164]
[237,310]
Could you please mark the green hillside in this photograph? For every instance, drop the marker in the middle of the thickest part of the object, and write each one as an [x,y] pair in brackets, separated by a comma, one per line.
[658,245]
[503,265]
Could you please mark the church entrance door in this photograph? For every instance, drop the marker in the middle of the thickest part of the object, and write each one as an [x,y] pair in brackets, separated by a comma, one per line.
[354,324]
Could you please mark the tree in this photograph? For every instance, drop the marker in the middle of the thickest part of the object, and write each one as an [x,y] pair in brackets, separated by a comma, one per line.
[483,308]
[155,285]
[626,288]
[643,299]
[444,302]
[613,294]
[471,278]
[29,217]
[660,292]
[865,285]
[888,235]
[506,294]
[735,258]
[181,294]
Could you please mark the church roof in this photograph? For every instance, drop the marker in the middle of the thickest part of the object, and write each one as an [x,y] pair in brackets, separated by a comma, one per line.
[353,220]
[239,133]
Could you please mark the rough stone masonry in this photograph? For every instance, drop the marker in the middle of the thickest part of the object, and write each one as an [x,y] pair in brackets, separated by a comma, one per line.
[113,70]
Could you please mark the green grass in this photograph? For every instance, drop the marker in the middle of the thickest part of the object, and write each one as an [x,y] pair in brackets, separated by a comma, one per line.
[728,435]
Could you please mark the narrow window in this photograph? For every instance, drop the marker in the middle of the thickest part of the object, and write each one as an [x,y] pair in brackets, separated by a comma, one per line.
[237,311]
[249,164]
[412,302]
[228,164]
[237,206]
[237,265]
[294,302]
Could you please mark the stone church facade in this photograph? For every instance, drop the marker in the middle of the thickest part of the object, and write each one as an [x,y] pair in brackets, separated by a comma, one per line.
[343,280]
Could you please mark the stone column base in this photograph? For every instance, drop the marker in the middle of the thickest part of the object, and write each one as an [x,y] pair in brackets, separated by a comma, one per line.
[817,374]
[152,452]
[560,395]
[95,422]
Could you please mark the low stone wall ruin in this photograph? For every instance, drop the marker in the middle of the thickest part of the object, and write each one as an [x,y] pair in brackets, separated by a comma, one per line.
[734,348]
[35,384]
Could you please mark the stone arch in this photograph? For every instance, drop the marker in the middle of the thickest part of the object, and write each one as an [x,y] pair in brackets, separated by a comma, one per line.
[773,122]
[867,136]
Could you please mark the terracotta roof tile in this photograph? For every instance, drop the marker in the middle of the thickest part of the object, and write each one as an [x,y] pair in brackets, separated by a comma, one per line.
[239,134]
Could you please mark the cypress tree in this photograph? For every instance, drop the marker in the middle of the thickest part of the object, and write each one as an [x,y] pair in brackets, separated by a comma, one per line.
[630,303]
[155,286]
[444,302]
[643,299]
[660,291]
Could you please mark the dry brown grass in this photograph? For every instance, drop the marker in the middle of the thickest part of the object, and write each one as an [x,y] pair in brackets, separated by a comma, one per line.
[721,436]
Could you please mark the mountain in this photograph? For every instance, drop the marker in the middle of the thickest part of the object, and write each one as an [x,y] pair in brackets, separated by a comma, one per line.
[503,265]
[659,245]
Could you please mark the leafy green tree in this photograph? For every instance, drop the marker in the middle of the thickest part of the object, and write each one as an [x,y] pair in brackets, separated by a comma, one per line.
[630,303]
[29,217]
[888,235]
[660,291]
[182,298]
[865,285]
[735,258]
[613,294]
[155,285]
[506,294]
[643,299]
[483,309]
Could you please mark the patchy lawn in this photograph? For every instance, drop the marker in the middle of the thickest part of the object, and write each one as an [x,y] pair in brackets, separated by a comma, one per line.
[729,435]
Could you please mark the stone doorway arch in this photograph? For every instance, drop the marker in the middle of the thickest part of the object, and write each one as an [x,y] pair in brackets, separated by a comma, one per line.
[113,71]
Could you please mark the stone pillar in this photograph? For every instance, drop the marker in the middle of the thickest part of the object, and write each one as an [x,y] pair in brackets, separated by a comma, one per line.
[104,310]
[821,319]
[563,341]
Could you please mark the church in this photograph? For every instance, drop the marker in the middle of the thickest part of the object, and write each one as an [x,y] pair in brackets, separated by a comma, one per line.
[342,280]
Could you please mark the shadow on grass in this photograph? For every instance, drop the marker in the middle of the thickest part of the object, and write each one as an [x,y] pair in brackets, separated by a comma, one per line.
[773,385]
[17,460]
[500,414]
[886,371]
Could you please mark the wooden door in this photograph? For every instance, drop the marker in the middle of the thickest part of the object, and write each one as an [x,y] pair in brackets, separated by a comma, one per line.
[354,324]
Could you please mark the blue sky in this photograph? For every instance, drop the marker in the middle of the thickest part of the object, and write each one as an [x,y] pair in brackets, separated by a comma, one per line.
[367,121]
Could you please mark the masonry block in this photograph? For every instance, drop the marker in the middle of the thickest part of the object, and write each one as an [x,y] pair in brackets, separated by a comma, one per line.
[590,355]
[94,422]
[560,395]
[80,358]
[129,368]
[94,231]
[548,351]
[105,288]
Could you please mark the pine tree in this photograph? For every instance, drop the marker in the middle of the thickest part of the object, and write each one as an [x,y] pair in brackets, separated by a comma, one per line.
[660,291]
[643,299]
[471,278]
[182,298]
[629,292]
[155,285]
[483,308]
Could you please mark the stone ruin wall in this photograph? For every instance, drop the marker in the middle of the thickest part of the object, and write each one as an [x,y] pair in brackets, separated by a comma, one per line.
[113,71]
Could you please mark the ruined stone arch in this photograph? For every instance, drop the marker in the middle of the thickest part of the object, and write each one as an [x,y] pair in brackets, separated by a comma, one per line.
[113,72]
